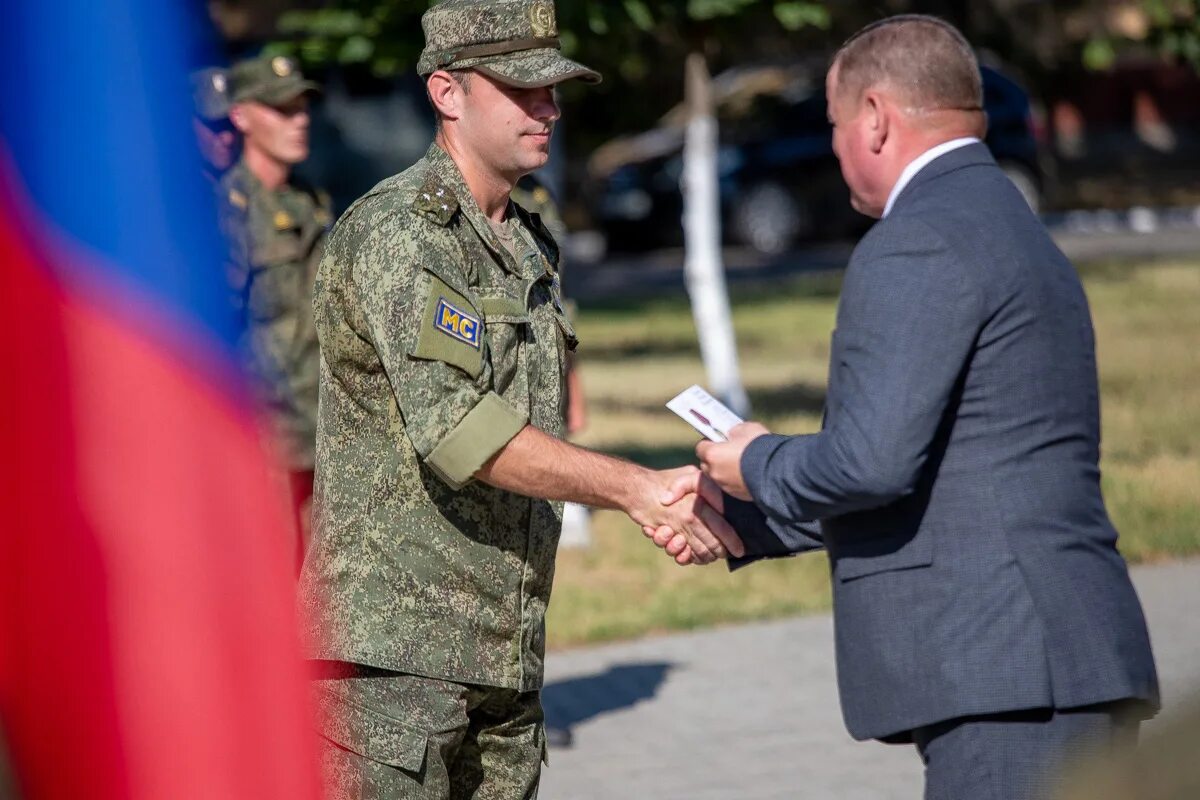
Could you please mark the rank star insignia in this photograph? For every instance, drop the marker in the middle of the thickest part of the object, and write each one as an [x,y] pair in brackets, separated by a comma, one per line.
[218,82]
[281,66]
[541,19]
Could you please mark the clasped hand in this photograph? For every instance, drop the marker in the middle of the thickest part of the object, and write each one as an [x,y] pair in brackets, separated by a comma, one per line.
[682,502]
[721,471]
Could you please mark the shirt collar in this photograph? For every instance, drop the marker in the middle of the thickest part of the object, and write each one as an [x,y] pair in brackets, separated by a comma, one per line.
[446,169]
[920,162]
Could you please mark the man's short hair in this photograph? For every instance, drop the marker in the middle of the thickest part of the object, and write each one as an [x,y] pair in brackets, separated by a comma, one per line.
[922,58]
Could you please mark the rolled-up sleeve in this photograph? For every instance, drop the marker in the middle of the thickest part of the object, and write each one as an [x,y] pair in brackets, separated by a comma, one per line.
[482,433]
[426,327]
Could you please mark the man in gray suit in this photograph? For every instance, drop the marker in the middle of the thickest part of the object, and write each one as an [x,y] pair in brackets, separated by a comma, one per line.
[982,610]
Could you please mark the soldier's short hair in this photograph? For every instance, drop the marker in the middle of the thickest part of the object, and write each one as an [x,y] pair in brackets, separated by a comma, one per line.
[922,58]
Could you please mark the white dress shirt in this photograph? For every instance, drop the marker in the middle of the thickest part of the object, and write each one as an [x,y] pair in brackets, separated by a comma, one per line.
[920,162]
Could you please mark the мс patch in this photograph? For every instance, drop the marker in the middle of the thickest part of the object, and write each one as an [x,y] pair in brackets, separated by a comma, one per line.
[450,327]
[455,322]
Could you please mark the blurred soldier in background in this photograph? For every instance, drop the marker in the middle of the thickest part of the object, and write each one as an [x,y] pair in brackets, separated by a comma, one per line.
[276,228]
[215,135]
[533,196]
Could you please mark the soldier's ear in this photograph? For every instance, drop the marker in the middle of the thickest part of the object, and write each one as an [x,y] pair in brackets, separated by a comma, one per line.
[446,94]
[237,115]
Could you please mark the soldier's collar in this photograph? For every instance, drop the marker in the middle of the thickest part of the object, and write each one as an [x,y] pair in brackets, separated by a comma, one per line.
[444,174]
[241,173]
[533,222]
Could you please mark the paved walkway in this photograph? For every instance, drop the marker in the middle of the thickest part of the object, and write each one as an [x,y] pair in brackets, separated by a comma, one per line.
[751,712]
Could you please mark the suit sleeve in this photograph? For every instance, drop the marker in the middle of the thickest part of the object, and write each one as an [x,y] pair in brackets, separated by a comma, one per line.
[908,319]
[766,538]
[427,328]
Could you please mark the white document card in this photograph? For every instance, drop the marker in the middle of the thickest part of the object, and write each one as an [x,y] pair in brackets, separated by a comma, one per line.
[705,413]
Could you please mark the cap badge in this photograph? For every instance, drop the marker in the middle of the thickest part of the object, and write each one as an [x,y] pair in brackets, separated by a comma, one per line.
[541,18]
[281,66]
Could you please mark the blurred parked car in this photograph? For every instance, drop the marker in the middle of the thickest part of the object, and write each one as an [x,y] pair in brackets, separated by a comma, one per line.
[779,180]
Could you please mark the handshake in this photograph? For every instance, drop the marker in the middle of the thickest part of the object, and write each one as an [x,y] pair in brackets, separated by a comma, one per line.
[682,510]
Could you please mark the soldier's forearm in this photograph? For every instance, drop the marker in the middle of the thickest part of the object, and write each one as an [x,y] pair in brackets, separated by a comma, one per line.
[537,464]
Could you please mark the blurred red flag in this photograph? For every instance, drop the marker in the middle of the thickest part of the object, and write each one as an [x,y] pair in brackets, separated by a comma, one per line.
[147,637]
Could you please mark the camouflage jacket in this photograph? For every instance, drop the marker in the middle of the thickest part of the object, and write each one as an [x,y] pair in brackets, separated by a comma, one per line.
[437,346]
[275,243]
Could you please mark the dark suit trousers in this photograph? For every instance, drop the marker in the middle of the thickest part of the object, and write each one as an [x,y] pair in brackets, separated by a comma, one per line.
[1019,755]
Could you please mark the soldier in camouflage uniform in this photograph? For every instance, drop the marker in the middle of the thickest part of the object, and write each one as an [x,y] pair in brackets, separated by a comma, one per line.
[276,228]
[215,135]
[443,348]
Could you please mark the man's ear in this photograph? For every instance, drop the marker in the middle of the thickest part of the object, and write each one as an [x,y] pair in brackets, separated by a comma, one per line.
[877,120]
[237,115]
[446,94]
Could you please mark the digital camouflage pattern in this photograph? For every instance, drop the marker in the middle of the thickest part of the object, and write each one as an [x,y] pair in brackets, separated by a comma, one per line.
[513,41]
[532,195]
[437,347]
[275,244]
[391,736]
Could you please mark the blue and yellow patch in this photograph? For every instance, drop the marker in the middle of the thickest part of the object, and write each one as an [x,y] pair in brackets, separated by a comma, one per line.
[456,323]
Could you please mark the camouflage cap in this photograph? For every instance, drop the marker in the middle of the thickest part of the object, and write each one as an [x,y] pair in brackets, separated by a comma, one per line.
[513,41]
[210,93]
[271,80]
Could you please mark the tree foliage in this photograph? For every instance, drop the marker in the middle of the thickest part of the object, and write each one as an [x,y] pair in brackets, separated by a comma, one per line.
[1169,27]
[636,44]
[640,45]
[630,38]
[619,36]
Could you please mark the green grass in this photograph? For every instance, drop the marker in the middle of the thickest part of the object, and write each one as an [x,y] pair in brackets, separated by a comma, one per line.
[638,353]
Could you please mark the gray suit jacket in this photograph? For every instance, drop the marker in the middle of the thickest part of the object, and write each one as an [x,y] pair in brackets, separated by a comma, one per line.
[956,477]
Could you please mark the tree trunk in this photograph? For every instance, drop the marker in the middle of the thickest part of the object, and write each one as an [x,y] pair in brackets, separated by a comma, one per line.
[702,241]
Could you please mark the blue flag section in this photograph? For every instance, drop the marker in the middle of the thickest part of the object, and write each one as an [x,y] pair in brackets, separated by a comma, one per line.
[147,629]
[95,110]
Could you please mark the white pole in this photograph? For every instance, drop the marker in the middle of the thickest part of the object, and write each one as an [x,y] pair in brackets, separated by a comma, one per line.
[703,268]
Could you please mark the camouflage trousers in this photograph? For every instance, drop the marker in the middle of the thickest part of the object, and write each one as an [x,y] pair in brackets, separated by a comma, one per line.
[391,736]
